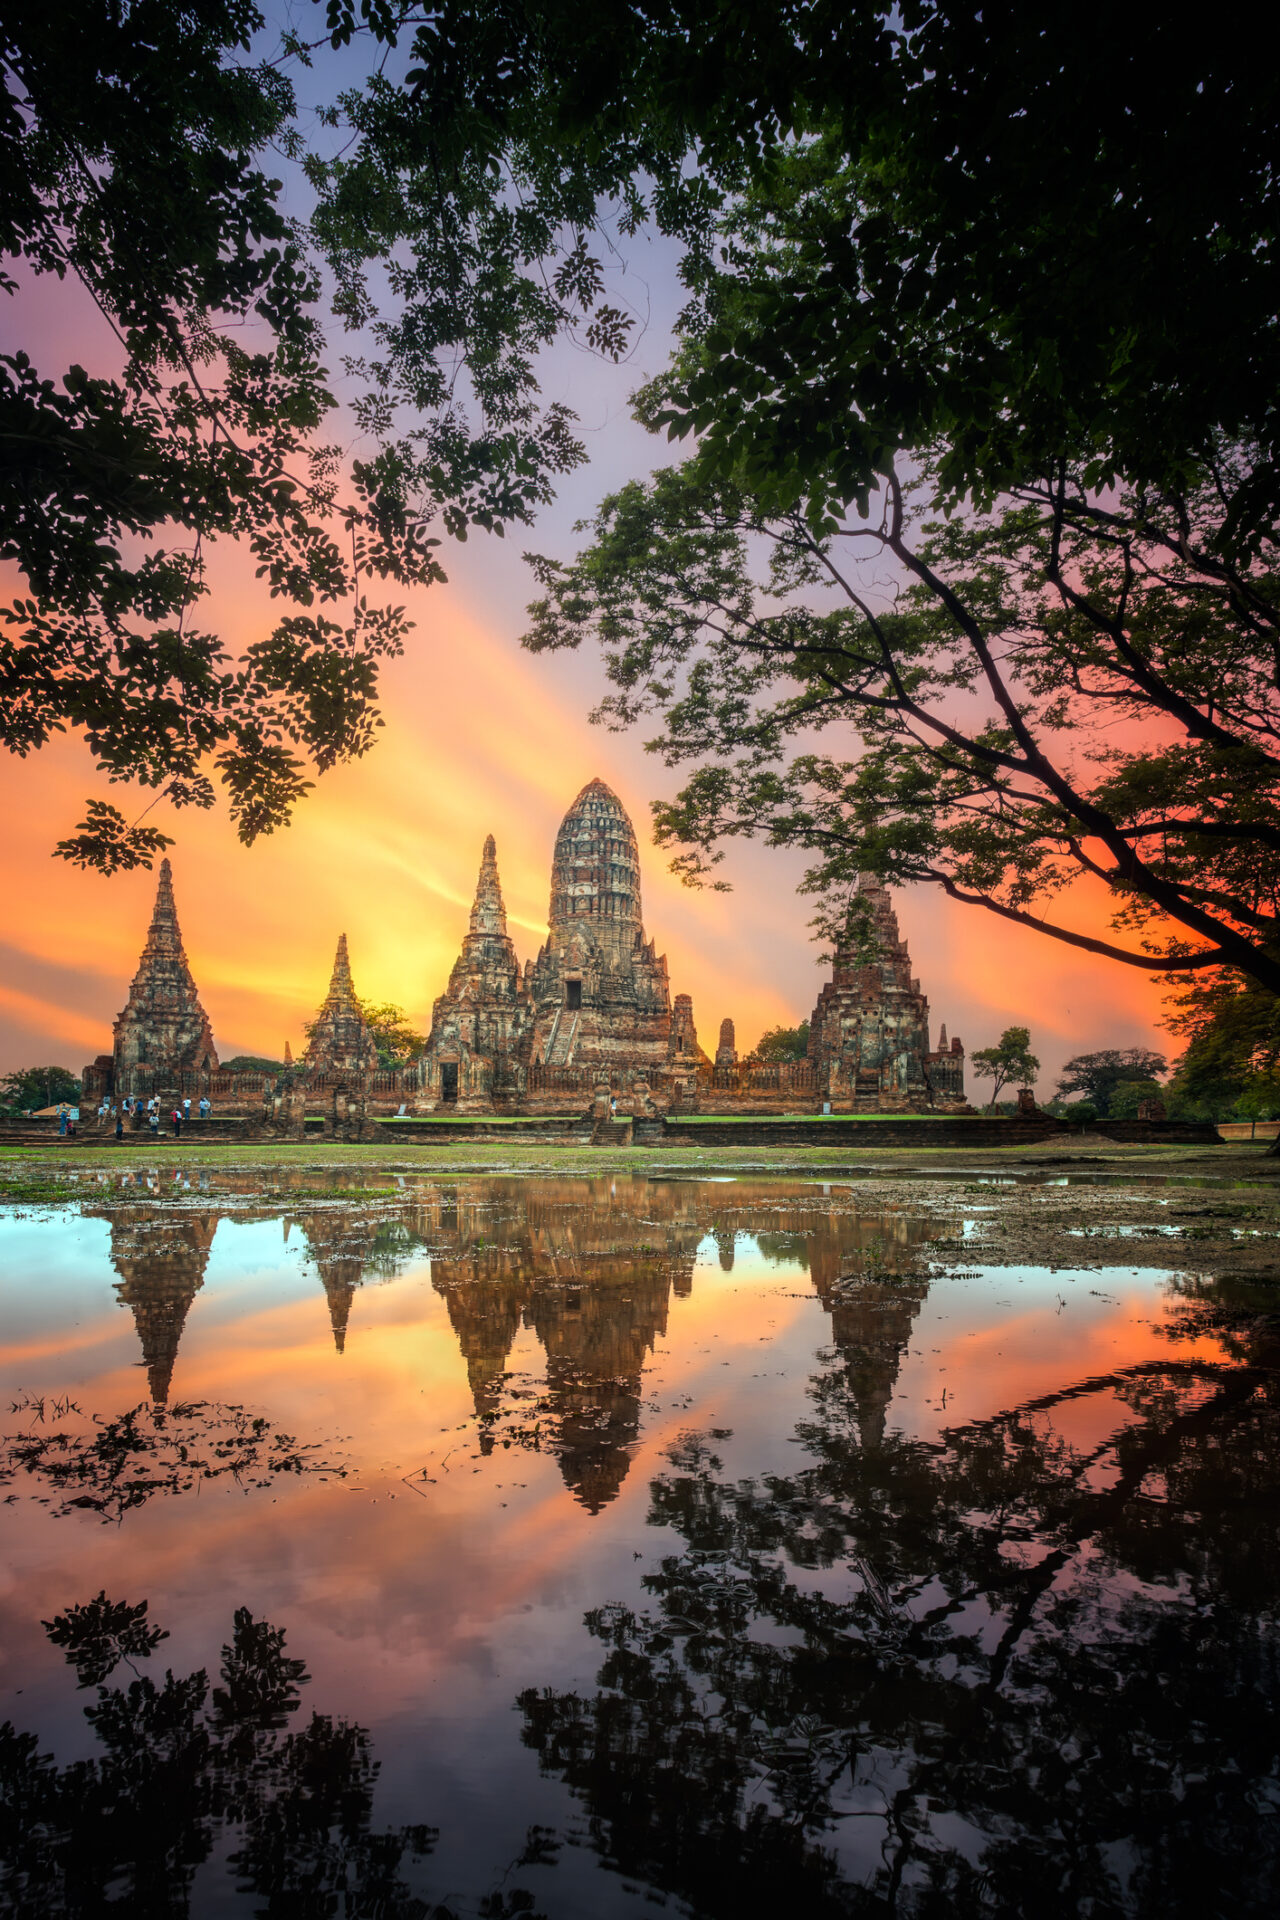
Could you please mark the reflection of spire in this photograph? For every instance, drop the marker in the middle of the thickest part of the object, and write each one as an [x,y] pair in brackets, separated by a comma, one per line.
[590,1266]
[485,1297]
[160,1259]
[488,915]
[339,1289]
[598,1339]
[341,1245]
[873,1294]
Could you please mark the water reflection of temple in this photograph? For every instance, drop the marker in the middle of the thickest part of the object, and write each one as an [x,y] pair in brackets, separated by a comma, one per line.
[160,1258]
[587,1265]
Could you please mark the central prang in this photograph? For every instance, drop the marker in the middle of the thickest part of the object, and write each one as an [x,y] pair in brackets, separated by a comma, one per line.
[597,998]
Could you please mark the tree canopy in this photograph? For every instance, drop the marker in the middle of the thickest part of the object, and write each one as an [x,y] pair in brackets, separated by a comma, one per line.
[27,1089]
[988,300]
[1097,1075]
[1232,1059]
[784,1043]
[1009,1063]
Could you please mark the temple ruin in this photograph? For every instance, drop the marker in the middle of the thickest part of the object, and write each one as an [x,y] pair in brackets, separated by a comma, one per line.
[869,1032]
[587,1026]
[163,1032]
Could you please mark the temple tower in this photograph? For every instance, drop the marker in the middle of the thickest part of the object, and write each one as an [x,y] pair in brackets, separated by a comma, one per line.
[869,1032]
[482,1015]
[341,1042]
[163,1031]
[727,1046]
[600,993]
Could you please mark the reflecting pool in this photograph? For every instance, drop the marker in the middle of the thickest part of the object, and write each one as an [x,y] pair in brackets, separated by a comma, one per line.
[493,1545]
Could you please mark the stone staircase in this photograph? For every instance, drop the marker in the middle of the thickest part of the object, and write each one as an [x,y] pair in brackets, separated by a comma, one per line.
[560,1041]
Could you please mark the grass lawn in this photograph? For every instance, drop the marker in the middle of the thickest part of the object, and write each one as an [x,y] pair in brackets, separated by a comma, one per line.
[30,1173]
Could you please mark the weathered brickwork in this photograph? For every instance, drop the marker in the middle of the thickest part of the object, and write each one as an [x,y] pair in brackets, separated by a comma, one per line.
[599,992]
[483,1016]
[869,1032]
[164,1031]
[595,1000]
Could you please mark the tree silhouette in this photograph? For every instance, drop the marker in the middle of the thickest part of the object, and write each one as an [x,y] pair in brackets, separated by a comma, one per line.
[184,1772]
[1039,1675]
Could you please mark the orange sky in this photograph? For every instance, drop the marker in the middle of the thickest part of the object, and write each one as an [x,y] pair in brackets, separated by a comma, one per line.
[480,737]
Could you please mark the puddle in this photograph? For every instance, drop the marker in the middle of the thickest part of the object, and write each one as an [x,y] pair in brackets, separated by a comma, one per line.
[732,1545]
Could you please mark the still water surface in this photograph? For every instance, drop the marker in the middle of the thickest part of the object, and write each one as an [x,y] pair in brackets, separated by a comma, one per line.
[567,1546]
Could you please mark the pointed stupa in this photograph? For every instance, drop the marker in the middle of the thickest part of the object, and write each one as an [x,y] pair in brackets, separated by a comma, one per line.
[340,1291]
[163,1031]
[341,1041]
[482,1006]
[488,915]
[288,1054]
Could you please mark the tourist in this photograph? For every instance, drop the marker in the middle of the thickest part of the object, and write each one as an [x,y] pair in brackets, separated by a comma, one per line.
[62,1120]
[176,1120]
[186,1108]
[119,1125]
[153,1121]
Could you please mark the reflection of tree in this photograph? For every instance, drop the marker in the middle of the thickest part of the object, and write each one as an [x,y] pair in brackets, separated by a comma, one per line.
[184,1772]
[111,1466]
[1011,1673]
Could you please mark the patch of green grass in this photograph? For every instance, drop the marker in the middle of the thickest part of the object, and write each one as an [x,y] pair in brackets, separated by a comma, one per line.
[810,1119]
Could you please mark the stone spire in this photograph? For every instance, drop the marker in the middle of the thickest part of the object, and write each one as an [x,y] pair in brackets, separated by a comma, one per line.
[481,1013]
[595,874]
[163,1031]
[488,915]
[288,1054]
[341,1041]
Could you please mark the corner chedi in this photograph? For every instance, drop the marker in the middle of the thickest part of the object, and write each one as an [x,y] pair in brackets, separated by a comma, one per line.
[163,1032]
[341,1043]
[869,1032]
[481,1018]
